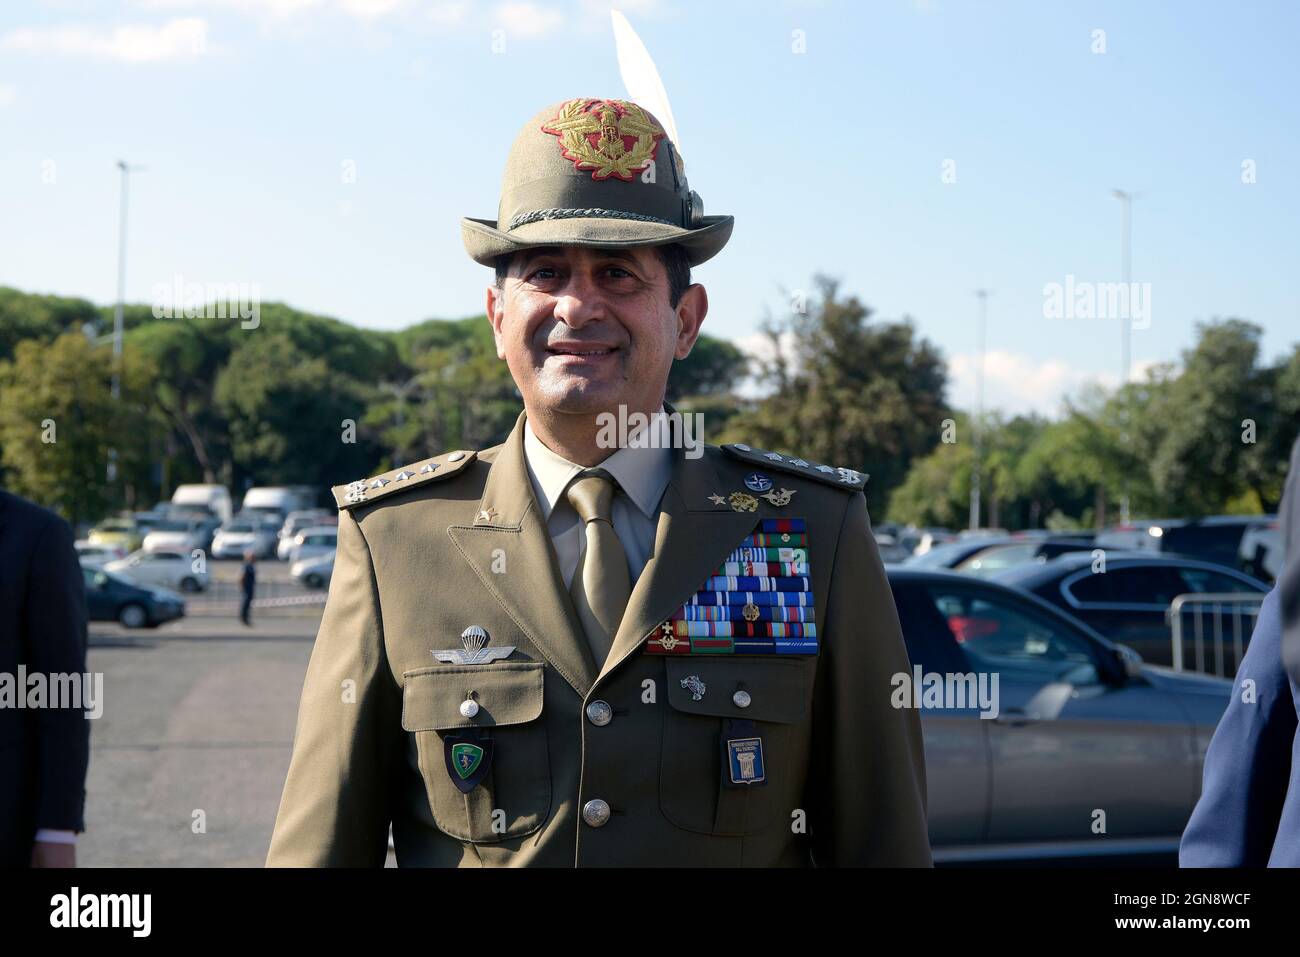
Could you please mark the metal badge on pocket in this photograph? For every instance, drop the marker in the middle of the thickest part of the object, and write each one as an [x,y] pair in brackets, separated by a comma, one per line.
[474,649]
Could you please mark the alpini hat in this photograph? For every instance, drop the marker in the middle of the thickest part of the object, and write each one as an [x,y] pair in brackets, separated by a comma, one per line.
[589,172]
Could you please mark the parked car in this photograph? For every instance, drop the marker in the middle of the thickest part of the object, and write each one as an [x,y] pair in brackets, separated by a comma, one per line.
[94,556]
[179,535]
[1129,602]
[112,598]
[1261,552]
[313,541]
[213,499]
[314,572]
[1028,550]
[1215,539]
[889,548]
[1082,724]
[117,531]
[918,541]
[172,569]
[243,533]
[293,524]
[275,502]
[952,554]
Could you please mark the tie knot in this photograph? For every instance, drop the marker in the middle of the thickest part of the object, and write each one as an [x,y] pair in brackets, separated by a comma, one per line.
[592,496]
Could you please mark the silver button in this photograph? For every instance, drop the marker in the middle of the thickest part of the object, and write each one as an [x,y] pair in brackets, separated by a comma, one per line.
[455,456]
[741,699]
[468,708]
[596,812]
[600,713]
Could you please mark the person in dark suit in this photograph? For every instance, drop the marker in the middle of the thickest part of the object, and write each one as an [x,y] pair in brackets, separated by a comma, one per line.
[248,584]
[1249,811]
[1288,582]
[43,751]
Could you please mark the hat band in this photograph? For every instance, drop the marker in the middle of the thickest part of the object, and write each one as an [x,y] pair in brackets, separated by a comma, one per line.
[594,212]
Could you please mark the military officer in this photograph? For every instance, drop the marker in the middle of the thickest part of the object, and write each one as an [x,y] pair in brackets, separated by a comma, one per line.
[565,651]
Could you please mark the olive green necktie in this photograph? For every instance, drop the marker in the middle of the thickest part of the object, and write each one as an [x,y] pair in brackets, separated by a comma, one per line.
[601,585]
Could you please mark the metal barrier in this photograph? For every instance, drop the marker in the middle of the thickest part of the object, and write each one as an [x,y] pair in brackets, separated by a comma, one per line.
[222,598]
[1241,606]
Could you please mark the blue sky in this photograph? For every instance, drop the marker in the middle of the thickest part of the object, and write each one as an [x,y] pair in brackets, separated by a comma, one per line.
[245,112]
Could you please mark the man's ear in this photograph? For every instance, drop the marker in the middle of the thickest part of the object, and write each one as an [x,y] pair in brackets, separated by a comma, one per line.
[496,314]
[691,310]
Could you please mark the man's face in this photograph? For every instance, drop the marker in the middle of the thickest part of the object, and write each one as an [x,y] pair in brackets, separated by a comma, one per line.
[586,330]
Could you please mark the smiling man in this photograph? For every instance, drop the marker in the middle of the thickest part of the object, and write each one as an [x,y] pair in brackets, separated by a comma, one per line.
[559,652]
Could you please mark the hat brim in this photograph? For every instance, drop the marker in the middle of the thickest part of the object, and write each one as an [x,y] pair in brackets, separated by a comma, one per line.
[484,242]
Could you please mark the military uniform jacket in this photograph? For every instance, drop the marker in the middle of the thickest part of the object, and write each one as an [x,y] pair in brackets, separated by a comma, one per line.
[457,541]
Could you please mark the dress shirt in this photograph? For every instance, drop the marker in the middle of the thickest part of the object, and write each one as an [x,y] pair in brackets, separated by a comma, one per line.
[642,475]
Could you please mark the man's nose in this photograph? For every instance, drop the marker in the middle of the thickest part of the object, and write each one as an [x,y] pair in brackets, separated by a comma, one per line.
[579,302]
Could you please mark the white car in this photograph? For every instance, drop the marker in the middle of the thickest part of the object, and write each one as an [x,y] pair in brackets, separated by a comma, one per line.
[173,570]
[241,534]
[176,535]
[314,572]
[294,524]
[314,541]
[95,556]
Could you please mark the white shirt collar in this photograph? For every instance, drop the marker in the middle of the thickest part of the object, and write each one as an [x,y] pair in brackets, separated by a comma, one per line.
[641,472]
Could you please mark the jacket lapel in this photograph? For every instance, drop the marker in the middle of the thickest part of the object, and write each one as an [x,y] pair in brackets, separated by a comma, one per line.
[694,535]
[532,591]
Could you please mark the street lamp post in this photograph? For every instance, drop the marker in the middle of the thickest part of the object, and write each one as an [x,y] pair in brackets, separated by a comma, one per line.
[118,307]
[1126,323]
[977,425]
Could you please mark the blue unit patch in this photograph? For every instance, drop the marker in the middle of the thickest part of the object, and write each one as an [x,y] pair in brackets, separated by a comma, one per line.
[745,760]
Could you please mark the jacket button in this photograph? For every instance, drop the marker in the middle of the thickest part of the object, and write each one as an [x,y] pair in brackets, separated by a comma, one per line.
[468,708]
[600,713]
[741,699]
[596,812]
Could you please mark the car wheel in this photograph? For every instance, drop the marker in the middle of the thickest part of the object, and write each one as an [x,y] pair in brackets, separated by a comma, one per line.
[189,584]
[133,616]
[313,581]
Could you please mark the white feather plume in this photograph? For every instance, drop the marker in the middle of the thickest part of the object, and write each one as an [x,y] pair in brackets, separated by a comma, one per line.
[644,88]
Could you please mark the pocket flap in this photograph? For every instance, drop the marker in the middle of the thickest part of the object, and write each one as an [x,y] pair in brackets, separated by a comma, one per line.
[506,692]
[777,686]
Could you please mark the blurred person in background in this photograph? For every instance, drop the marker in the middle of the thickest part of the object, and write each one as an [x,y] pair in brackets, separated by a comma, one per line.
[248,585]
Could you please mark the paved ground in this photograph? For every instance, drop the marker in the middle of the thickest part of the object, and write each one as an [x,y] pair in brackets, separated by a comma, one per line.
[198,716]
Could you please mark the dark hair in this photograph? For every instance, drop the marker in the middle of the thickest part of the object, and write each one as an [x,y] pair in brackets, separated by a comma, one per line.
[676,263]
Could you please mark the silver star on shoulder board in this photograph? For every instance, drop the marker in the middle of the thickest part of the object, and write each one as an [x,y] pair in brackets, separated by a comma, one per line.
[488,514]
[474,649]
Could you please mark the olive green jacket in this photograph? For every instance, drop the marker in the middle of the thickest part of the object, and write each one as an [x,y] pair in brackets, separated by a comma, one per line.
[422,555]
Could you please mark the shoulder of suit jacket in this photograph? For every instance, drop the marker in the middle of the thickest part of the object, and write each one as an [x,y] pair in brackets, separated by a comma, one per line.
[846,479]
[423,472]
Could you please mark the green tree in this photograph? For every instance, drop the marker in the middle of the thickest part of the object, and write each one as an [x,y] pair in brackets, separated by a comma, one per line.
[58,421]
[851,391]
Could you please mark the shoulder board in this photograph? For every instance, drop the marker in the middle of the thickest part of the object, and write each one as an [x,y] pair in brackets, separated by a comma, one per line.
[365,491]
[850,480]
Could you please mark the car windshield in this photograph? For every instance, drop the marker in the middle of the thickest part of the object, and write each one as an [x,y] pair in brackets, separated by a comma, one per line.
[240,527]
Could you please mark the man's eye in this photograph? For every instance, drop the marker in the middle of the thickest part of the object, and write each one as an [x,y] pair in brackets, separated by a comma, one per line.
[544,272]
[619,269]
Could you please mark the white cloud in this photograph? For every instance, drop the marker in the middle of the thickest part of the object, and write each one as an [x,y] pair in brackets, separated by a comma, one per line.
[141,43]
[448,12]
[522,18]
[1015,383]
[279,9]
[369,9]
[8,93]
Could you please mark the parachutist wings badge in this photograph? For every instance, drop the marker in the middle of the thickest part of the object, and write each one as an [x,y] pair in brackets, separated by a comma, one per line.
[474,649]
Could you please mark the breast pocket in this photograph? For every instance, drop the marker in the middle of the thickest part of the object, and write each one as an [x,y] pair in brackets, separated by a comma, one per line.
[514,798]
[704,693]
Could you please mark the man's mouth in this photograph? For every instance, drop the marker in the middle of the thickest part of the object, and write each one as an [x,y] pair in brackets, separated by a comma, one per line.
[583,350]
